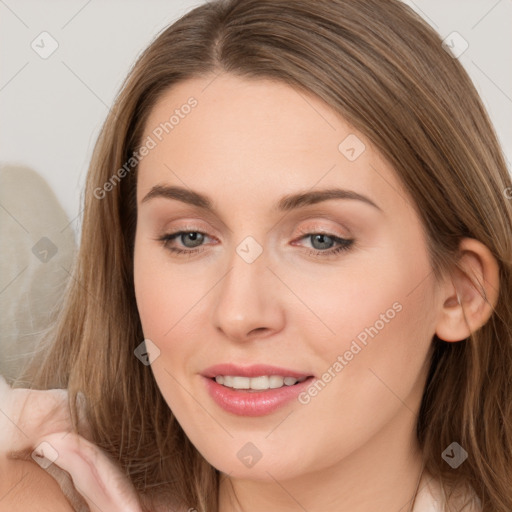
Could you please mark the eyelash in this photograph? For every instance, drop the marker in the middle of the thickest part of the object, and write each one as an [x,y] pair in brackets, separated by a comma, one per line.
[345,244]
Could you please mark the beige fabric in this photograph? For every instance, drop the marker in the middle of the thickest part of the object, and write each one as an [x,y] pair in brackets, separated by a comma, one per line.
[38,243]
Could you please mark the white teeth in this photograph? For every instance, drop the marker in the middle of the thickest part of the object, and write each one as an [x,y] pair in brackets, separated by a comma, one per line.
[240,382]
[275,381]
[257,383]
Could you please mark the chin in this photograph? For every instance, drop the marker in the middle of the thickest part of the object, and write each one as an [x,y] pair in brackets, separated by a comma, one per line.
[264,469]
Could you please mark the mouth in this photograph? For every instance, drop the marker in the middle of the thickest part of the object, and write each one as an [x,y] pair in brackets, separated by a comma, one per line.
[256,384]
[254,390]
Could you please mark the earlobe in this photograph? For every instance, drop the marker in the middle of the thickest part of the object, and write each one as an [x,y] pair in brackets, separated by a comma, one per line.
[471,292]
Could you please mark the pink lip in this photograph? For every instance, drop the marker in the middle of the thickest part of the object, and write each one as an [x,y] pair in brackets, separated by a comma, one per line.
[252,402]
[255,370]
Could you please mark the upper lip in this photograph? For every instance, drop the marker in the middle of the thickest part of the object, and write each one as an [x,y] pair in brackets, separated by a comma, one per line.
[254,370]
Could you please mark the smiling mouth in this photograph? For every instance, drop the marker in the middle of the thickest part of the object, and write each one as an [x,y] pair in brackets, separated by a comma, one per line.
[260,383]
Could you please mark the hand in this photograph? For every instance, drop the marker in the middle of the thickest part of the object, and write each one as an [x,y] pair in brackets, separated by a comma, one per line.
[40,420]
[97,478]
[27,414]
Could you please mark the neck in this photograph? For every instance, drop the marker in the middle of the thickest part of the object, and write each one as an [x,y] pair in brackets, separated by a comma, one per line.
[383,474]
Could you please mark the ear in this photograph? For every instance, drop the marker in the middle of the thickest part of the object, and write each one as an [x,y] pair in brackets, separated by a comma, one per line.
[470,293]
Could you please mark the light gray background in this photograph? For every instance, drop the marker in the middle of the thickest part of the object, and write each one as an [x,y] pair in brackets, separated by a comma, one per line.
[51,110]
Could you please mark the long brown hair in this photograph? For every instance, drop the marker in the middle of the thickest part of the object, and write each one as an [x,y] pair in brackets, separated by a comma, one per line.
[380,66]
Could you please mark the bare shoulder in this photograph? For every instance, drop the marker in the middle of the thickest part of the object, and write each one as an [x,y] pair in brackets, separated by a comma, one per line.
[25,487]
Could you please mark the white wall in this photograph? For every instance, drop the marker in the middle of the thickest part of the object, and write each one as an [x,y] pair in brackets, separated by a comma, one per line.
[51,109]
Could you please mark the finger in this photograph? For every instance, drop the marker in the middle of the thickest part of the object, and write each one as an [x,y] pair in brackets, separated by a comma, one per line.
[95,476]
[26,414]
[19,415]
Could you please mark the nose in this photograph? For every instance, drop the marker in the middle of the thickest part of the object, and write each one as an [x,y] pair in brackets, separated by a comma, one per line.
[247,301]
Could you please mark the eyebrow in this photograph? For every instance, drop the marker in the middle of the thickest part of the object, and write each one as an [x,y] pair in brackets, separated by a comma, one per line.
[286,203]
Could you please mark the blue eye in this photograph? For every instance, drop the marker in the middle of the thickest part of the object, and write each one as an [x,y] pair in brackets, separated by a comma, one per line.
[193,241]
[196,238]
[327,239]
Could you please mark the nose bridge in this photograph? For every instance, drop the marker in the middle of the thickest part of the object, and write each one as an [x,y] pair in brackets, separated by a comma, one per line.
[247,266]
[245,300]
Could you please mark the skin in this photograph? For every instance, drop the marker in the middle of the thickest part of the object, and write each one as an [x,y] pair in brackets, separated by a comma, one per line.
[246,144]
[80,474]
[26,486]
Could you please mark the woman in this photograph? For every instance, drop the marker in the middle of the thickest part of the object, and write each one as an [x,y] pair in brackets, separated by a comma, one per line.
[229,360]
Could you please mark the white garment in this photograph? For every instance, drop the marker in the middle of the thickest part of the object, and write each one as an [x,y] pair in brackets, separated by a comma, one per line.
[430,498]
[97,481]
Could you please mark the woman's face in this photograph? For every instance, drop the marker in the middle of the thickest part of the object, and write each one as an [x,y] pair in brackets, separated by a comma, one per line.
[276,278]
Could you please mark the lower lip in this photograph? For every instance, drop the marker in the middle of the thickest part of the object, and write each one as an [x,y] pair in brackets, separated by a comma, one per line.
[253,403]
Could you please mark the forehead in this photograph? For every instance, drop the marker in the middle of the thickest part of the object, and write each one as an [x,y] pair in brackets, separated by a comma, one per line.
[247,112]
[261,134]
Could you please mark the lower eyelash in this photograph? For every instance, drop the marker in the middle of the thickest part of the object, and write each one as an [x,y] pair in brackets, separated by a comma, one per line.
[171,236]
[345,244]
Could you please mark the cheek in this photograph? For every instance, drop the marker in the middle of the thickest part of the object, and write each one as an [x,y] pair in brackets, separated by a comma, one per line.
[373,364]
[365,301]
[164,301]
[171,304]
[377,313]
[164,295]
[153,300]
